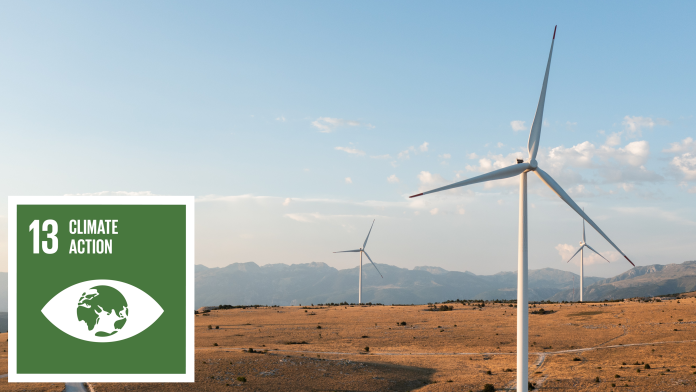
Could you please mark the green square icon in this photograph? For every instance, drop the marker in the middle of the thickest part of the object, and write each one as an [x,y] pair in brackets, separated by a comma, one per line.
[101,289]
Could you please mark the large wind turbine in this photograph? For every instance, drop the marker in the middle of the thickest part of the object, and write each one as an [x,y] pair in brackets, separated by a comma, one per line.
[521,169]
[362,250]
[583,244]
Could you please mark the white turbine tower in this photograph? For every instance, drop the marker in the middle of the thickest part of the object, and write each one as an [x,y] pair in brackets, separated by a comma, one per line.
[521,169]
[583,244]
[362,250]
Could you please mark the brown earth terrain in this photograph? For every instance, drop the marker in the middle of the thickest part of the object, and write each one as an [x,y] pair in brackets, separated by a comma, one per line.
[579,347]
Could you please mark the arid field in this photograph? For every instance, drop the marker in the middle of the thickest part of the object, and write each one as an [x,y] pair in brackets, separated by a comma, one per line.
[324,349]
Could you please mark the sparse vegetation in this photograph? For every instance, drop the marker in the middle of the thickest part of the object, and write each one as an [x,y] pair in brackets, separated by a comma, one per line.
[367,349]
[488,388]
[242,379]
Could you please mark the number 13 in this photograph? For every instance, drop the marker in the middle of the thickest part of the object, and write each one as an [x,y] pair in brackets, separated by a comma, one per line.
[34,226]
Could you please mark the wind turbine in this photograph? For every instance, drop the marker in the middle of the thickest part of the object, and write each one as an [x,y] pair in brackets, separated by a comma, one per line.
[521,169]
[583,244]
[362,250]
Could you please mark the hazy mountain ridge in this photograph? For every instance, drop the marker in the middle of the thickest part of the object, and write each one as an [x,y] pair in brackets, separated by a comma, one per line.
[282,284]
[643,281]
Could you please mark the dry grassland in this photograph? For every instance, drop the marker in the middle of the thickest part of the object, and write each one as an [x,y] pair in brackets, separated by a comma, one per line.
[441,351]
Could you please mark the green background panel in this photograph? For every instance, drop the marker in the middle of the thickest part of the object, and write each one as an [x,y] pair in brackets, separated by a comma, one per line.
[149,252]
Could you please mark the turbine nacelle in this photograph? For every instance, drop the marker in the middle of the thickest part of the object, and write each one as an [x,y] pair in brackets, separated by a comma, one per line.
[362,250]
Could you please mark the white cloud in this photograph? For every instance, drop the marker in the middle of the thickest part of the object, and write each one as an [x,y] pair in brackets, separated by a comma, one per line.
[566,251]
[472,156]
[427,179]
[634,154]
[518,125]
[329,124]
[348,180]
[114,193]
[434,211]
[286,202]
[314,217]
[393,179]
[500,144]
[614,139]
[580,191]
[461,210]
[445,156]
[385,156]
[686,164]
[686,145]
[631,161]
[351,150]
[281,118]
[634,125]
[406,153]
[625,186]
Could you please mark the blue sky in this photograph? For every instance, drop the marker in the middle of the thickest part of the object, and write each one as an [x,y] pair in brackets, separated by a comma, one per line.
[263,111]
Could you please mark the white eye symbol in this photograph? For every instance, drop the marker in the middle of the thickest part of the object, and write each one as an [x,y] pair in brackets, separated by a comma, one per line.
[102,310]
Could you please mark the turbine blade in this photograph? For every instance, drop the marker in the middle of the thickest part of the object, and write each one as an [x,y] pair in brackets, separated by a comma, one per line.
[344,251]
[373,263]
[499,174]
[546,178]
[583,227]
[600,255]
[571,257]
[535,131]
[368,234]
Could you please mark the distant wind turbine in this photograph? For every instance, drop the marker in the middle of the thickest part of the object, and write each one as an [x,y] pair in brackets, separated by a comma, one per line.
[521,169]
[362,250]
[583,244]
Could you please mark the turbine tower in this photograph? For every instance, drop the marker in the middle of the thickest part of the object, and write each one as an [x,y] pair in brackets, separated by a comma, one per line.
[362,250]
[521,169]
[583,244]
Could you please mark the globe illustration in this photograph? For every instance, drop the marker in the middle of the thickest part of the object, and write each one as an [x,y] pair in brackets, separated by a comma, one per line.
[103,309]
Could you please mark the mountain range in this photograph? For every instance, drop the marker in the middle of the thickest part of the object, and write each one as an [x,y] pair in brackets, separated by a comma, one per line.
[312,283]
